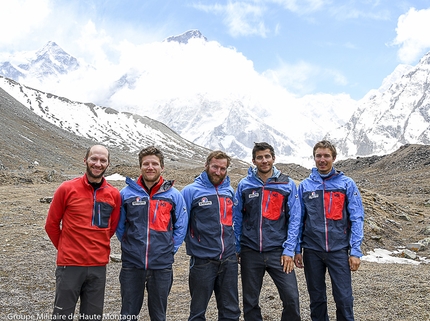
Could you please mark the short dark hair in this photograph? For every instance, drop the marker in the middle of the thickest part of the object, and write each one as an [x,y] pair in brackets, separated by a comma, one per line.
[262,146]
[87,153]
[325,144]
[151,150]
[217,154]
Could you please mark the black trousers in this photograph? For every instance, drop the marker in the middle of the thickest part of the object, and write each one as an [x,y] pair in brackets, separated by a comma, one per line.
[86,283]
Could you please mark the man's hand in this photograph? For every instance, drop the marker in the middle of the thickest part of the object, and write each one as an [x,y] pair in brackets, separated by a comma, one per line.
[298,260]
[287,263]
[354,263]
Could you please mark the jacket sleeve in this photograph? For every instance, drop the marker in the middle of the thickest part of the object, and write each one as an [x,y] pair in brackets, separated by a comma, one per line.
[356,216]
[237,217]
[181,224]
[121,222]
[114,218]
[186,194]
[293,223]
[298,249]
[55,215]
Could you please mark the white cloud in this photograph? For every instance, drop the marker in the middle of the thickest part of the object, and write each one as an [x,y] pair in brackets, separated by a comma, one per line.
[346,12]
[245,19]
[95,43]
[413,35]
[242,18]
[19,19]
[302,78]
[301,6]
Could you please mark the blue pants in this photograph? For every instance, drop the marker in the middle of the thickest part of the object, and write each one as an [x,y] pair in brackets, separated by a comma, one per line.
[133,282]
[207,276]
[316,264]
[253,267]
[84,282]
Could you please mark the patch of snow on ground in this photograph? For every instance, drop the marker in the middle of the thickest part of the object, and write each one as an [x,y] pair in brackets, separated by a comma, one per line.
[384,256]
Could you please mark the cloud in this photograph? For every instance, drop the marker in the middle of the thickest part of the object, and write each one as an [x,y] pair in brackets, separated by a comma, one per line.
[247,18]
[21,18]
[412,34]
[301,6]
[302,78]
[95,43]
[346,12]
[242,18]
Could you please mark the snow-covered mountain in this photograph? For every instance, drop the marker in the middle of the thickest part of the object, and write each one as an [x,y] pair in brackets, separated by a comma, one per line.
[50,61]
[208,94]
[395,115]
[185,37]
[126,131]
[196,87]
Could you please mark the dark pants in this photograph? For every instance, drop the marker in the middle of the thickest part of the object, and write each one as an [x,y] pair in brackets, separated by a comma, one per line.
[84,282]
[133,282]
[316,263]
[253,267]
[207,276]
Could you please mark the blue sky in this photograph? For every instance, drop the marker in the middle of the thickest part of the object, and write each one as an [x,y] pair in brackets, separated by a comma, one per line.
[307,46]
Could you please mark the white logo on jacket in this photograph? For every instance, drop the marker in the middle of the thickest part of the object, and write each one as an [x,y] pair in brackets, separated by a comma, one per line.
[313,195]
[253,194]
[138,202]
[205,202]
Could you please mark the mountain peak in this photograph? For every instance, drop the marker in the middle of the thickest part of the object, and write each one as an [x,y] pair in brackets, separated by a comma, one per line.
[51,47]
[425,60]
[190,34]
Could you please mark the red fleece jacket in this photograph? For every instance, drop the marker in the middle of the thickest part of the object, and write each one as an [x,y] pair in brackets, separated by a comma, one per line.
[81,221]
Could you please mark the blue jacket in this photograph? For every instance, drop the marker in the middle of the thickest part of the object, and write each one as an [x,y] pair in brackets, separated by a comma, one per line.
[332,214]
[210,232]
[266,215]
[151,227]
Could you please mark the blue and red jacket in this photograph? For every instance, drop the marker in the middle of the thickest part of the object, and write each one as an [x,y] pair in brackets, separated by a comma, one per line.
[151,226]
[332,213]
[210,232]
[266,215]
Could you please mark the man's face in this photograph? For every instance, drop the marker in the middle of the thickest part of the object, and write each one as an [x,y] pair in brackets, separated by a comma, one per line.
[97,163]
[323,160]
[264,161]
[151,169]
[216,170]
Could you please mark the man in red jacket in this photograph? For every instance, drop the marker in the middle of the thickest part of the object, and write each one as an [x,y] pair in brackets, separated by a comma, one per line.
[82,218]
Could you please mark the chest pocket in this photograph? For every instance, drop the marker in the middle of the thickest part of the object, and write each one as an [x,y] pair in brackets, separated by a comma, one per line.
[101,214]
[159,215]
[272,205]
[226,211]
[333,205]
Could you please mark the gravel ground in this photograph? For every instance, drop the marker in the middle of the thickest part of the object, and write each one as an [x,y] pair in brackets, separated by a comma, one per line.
[27,283]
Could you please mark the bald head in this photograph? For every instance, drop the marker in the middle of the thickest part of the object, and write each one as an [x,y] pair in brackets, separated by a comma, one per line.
[97,161]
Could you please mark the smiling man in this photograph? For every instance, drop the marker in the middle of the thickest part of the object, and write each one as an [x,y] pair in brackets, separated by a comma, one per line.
[210,241]
[152,226]
[82,218]
[266,218]
[331,234]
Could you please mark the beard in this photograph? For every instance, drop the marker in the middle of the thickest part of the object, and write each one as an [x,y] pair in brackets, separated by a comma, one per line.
[90,173]
[215,179]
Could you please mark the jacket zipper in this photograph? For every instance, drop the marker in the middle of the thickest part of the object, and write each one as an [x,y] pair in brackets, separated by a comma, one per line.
[325,219]
[220,222]
[261,219]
